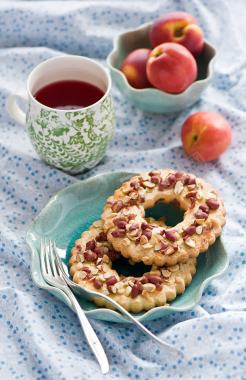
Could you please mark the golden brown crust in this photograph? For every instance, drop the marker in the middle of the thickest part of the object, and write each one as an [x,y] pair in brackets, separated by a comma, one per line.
[91,267]
[203,219]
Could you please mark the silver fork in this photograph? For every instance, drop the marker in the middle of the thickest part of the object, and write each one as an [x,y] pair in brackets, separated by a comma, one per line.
[52,275]
[73,285]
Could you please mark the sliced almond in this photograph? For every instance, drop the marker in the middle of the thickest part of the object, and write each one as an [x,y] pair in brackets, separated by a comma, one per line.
[128,290]
[131,283]
[98,223]
[126,189]
[149,287]
[179,187]
[105,259]
[155,172]
[145,260]
[125,283]
[158,236]
[191,187]
[78,265]
[155,272]
[133,233]
[105,291]
[106,247]
[142,193]
[125,211]
[199,194]
[147,246]
[191,243]
[169,251]
[107,275]
[108,224]
[100,277]
[113,214]
[211,195]
[119,285]
[157,247]
[199,230]
[133,195]
[132,221]
[74,259]
[94,270]
[133,238]
[200,221]
[82,275]
[113,289]
[145,177]
[143,240]
[148,184]
[104,267]
[127,200]
[165,273]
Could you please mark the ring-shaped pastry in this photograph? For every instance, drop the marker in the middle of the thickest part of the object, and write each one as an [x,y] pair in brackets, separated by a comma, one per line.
[127,230]
[91,267]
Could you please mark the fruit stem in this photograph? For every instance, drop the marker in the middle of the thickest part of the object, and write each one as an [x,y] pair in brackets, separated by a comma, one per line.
[178,32]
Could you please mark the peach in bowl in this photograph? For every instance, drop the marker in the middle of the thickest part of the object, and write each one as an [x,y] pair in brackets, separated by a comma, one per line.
[152,99]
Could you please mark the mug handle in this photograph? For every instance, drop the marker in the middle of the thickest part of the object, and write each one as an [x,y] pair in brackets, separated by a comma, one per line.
[14,109]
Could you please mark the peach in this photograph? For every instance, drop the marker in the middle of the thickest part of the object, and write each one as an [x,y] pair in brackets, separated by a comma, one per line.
[134,68]
[205,135]
[179,27]
[171,68]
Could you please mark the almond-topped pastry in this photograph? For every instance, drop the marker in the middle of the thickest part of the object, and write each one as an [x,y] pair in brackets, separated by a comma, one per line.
[91,267]
[130,234]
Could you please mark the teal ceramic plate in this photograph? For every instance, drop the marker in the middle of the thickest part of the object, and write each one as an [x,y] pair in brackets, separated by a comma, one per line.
[72,211]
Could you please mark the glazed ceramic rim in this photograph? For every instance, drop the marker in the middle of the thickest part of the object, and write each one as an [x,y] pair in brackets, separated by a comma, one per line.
[69,56]
[155,90]
[94,312]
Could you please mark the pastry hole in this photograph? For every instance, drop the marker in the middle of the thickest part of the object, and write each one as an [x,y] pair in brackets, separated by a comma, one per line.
[123,267]
[170,211]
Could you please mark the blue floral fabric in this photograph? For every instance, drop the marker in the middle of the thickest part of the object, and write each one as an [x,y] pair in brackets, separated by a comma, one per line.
[40,338]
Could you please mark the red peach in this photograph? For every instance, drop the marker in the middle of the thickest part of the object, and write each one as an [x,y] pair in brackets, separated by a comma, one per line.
[134,68]
[171,68]
[179,27]
[206,135]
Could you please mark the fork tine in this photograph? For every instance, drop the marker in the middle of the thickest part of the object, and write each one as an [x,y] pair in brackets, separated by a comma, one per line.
[57,260]
[42,257]
[52,259]
[46,258]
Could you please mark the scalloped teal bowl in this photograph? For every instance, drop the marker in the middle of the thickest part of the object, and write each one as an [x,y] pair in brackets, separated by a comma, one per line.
[151,99]
[73,210]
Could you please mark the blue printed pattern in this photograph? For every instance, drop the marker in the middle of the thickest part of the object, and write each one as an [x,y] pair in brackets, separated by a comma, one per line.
[40,336]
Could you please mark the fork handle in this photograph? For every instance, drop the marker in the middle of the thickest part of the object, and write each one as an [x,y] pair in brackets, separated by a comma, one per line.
[90,334]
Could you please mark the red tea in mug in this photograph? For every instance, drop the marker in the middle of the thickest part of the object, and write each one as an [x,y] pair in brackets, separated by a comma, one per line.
[68,94]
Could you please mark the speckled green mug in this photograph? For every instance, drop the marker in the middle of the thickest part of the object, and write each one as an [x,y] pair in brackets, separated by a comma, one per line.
[71,140]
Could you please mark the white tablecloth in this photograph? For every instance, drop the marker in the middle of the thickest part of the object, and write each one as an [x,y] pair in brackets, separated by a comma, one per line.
[40,338]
